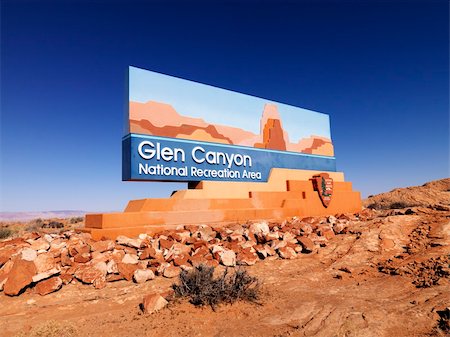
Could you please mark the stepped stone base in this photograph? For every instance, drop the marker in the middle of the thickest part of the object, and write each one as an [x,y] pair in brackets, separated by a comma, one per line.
[287,193]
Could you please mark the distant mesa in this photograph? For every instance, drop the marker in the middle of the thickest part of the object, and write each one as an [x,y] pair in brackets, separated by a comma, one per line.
[161,119]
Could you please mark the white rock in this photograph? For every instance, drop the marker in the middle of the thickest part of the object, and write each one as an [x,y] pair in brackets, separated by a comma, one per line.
[130,259]
[143,275]
[47,274]
[29,254]
[228,258]
[260,228]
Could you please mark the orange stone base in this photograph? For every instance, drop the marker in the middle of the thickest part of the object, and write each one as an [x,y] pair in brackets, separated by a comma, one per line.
[287,193]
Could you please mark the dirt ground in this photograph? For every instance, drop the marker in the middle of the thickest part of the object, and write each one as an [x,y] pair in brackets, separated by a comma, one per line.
[385,277]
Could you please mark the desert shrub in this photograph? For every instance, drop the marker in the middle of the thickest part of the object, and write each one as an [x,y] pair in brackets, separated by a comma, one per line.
[5,233]
[53,224]
[398,205]
[444,320]
[76,220]
[51,329]
[201,287]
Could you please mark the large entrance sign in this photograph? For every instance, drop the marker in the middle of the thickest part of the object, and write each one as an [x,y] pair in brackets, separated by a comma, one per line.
[178,130]
[244,158]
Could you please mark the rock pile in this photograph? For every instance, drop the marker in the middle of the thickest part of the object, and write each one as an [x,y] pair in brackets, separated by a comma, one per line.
[45,262]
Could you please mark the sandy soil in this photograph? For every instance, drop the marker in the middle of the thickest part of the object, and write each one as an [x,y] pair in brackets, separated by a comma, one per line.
[348,288]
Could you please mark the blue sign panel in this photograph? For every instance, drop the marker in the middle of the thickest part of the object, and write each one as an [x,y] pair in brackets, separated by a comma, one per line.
[170,159]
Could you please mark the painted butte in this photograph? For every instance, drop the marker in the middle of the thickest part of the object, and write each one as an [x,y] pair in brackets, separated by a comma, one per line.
[288,177]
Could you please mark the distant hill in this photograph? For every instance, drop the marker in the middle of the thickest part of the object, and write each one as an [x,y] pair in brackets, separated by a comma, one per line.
[26,216]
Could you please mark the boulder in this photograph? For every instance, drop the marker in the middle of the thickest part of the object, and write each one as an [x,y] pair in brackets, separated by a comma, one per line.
[49,285]
[171,271]
[152,303]
[20,276]
[306,243]
[28,254]
[102,246]
[143,275]
[44,262]
[287,253]
[130,259]
[228,258]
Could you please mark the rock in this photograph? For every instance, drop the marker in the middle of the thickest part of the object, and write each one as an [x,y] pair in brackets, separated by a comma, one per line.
[147,253]
[246,257]
[205,233]
[48,286]
[260,228]
[143,275]
[126,241]
[152,303]
[181,260]
[331,219]
[89,274]
[165,243]
[272,236]
[28,254]
[111,267]
[20,276]
[82,258]
[339,228]
[171,271]
[40,244]
[228,258]
[127,270]
[287,253]
[44,262]
[46,274]
[130,259]
[103,246]
[306,243]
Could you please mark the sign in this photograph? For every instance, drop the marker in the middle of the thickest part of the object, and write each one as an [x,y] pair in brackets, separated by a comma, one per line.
[324,185]
[178,130]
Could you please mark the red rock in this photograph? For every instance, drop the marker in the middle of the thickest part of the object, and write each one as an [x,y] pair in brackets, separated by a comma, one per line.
[287,253]
[197,260]
[171,271]
[181,260]
[5,254]
[20,276]
[328,234]
[89,274]
[339,228]
[65,258]
[49,285]
[28,254]
[100,282]
[66,278]
[246,257]
[147,253]
[165,244]
[306,243]
[152,303]
[82,258]
[127,270]
[102,246]
[114,277]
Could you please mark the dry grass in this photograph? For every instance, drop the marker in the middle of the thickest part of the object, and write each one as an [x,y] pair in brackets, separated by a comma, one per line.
[51,329]
[201,288]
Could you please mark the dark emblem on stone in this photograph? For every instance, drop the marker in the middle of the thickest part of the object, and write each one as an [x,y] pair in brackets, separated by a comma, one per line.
[324,185]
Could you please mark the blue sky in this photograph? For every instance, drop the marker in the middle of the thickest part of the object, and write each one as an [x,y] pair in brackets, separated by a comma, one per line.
[378,68]
[223,107]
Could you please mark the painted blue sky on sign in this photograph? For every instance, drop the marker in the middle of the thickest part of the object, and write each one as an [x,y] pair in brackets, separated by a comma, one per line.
[220,106]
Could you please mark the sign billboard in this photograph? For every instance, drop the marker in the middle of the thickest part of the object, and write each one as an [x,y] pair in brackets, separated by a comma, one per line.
[179,130]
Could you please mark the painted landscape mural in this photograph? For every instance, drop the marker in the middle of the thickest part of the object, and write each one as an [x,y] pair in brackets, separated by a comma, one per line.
[160,118]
